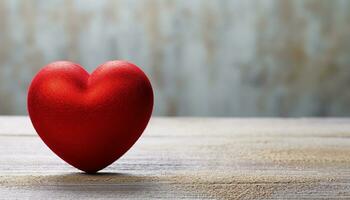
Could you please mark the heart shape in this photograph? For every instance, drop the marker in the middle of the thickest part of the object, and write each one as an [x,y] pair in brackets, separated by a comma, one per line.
[90,120]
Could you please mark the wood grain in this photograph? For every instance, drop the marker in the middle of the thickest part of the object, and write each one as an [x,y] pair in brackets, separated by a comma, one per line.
[190,158]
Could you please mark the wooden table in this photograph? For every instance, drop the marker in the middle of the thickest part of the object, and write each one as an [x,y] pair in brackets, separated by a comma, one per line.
[190,158]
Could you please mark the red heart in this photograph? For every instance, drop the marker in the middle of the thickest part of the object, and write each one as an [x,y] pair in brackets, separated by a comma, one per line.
[90,120]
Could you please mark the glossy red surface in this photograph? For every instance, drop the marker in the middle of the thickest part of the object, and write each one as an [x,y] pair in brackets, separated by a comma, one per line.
[90,120]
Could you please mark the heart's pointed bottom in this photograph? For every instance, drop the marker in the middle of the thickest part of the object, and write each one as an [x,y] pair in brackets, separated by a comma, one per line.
[92,172]
[90,169]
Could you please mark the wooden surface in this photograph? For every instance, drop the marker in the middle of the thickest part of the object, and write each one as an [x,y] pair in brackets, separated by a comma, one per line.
[190,158]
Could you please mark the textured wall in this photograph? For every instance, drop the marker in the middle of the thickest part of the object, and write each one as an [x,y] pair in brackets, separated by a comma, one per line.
[204,57]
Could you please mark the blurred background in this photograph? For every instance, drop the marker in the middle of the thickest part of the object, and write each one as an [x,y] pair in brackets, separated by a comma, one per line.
[245,58]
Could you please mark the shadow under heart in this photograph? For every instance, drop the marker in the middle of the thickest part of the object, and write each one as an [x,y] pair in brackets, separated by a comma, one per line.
[82,185]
